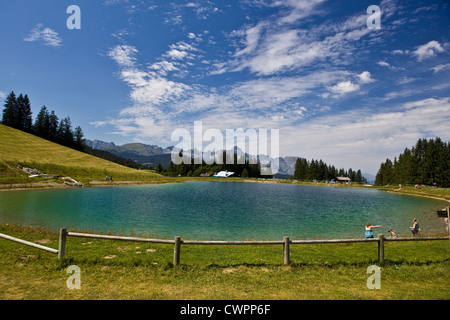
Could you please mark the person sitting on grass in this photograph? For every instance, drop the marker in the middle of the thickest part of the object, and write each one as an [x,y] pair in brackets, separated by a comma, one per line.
[369,232]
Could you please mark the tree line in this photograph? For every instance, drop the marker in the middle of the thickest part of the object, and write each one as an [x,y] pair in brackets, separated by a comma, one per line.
[17,114]
[241,168]
[320,171]
[304,170]
[427,163]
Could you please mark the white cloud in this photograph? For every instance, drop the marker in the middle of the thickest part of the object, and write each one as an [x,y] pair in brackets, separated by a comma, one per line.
[344,87]
[299,9]
[47,35]
[123,55]
[441,67]
[177,54]
[2,95]
[388,65]
[366,136]
[428,50]
[148,89]
[365,77]
[164,67]
[384,64]
[280,44]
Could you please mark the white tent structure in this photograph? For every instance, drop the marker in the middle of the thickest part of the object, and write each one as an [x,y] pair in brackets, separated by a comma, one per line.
[223,174]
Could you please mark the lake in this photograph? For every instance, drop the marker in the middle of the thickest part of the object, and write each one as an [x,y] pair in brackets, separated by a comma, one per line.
[221,210]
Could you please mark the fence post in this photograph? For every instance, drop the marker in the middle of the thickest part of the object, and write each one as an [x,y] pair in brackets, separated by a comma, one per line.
[176,251]
[380,248]
[286,250]
[62,243]
[448,222]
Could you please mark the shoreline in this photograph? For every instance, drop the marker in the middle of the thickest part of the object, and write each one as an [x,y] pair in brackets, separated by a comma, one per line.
[49,185]
[420,195]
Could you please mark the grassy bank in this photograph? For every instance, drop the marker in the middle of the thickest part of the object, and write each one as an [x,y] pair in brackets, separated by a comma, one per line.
[130,270]
[20,148]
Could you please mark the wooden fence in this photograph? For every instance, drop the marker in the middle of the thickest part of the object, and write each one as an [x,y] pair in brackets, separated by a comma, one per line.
[177,242]
[286,243]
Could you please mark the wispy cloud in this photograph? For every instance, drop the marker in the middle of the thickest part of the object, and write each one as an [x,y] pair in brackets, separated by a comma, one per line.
[441,67]
[123,55]
[428,50]
[388,65]
[285,44]
[48,36]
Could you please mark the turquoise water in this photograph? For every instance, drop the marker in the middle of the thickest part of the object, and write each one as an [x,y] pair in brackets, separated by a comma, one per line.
[221,210]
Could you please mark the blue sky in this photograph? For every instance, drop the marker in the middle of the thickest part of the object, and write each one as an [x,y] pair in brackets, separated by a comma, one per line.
[335,89]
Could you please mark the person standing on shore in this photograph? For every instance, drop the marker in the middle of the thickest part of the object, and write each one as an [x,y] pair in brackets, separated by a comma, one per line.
[369,232]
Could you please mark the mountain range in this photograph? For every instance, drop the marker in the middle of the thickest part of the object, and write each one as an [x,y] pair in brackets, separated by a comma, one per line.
[151,155]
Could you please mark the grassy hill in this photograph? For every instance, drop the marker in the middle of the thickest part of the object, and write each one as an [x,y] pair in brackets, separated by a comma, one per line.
[20,148]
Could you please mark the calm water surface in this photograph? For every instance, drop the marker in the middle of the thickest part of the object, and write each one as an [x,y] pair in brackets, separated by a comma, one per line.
[222,210]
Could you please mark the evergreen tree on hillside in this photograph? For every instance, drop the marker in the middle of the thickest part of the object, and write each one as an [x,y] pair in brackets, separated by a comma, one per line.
[79,138]
[24,120]
[65,134]
[10,111]
[42,123]
[52,126]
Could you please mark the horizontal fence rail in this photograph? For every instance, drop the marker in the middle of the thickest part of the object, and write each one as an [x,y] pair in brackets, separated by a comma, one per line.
[100,236]
[286,242]
[31,244]
[177,242]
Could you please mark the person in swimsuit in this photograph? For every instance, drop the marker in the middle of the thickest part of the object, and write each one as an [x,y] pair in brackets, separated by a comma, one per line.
[369,232]
[415,228]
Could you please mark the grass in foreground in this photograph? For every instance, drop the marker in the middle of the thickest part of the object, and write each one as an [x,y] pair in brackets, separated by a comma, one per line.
[131,270]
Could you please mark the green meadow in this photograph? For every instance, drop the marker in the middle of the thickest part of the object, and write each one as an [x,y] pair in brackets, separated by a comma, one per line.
[111,269]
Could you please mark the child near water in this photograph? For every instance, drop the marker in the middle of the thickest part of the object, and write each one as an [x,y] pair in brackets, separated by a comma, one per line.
[392,234]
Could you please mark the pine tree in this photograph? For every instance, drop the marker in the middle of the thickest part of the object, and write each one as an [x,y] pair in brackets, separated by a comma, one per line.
[53,127]
[10,110]
[26,115]
[65,134]
[358,177]
[42,123]
[301,168]
[79,138]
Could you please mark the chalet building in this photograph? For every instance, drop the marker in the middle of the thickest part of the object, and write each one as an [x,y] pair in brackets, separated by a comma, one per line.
[343,180]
